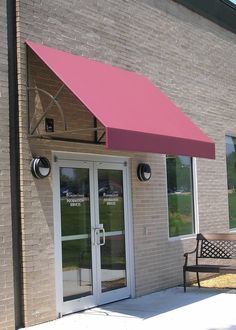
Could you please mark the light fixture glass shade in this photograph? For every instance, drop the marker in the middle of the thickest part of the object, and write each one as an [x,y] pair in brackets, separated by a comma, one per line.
[144,172]
[40,167]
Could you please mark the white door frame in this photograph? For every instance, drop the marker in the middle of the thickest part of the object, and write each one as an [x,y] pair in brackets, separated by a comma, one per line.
[66,158]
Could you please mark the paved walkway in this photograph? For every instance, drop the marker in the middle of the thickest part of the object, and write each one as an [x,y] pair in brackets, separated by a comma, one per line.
[200,309]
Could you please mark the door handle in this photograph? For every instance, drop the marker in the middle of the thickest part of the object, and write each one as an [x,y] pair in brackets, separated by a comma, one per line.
[97,234]
[102,230]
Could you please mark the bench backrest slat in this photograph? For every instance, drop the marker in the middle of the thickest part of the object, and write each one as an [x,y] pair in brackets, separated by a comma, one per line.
[217,237]
[218,246]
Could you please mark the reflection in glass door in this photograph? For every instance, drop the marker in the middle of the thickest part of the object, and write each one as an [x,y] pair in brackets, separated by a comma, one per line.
[75,232]
[111,217]
[93,259]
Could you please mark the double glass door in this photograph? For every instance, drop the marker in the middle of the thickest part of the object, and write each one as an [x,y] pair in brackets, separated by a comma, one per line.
[93,261]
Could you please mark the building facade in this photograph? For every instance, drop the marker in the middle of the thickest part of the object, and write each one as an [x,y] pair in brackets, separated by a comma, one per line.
[148,225]
[7,319]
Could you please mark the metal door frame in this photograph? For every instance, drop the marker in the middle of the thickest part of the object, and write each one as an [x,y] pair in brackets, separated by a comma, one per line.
[92,162]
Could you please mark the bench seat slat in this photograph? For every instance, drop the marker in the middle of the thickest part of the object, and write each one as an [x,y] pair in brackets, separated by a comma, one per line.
[211,268]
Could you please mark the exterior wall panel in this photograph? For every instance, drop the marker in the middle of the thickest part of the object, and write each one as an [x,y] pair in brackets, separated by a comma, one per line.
[192,64]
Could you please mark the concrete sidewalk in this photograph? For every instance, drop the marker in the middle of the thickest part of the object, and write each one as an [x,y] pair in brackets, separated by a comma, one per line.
[199,309]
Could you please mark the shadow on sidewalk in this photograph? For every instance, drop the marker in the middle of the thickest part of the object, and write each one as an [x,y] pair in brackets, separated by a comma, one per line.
[157,303]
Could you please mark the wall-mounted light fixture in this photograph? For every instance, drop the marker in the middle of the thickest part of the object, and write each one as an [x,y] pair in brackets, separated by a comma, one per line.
[40,167]
[144,172]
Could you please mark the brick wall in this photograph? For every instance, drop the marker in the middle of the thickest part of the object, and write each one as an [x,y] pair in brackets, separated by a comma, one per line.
[6,272]
[193,61]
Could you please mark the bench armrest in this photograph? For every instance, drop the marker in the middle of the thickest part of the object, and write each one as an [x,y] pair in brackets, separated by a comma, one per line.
[186,254]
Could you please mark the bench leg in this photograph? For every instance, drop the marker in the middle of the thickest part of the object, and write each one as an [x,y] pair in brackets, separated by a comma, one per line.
[184,277]
[198,280]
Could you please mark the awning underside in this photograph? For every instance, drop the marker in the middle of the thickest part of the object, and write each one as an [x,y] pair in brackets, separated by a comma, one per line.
[133,113]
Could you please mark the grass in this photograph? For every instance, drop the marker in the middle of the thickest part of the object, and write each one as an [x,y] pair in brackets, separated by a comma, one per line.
[76,221]
[180,214]
[227,281]
[77,253]
[232,209]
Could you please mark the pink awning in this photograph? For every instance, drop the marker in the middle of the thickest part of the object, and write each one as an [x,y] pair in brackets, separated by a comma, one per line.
[137,116]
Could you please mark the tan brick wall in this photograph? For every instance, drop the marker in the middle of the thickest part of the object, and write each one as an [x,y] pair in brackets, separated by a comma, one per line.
[193,61]
[7,321]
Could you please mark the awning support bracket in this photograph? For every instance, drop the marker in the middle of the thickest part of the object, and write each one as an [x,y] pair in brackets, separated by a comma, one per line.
[95,131]
[101,137]
[97,139]
[53,100]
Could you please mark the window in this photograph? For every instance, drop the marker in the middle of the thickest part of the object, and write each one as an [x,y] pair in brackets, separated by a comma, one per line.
[231,178]
[180,195]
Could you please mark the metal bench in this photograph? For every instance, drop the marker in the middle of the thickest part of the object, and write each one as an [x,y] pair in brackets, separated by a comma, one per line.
[212,246]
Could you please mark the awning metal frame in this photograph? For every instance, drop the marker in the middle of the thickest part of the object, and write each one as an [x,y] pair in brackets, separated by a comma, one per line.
[33,134]
[48,108]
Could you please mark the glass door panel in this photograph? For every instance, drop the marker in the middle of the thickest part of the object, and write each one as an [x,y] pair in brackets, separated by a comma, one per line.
[76,263]
[76,233]
[111,216]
